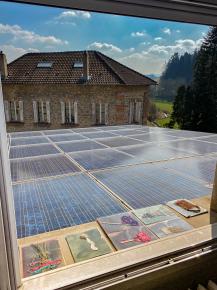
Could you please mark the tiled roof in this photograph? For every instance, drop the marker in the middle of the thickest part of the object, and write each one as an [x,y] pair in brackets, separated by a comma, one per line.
[102,70]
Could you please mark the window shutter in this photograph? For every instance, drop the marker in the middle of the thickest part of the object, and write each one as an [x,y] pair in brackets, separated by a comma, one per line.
[94,113]
[70,112]
[21,111]
[7,115]
[100,113]
[48,111]
[35,111]
[131,112]
[138,111]
[62,104]
[42,111]
[15,111]
[106,114]
[76,112]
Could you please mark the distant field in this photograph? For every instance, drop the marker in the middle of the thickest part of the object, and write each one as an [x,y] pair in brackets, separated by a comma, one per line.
[162,122]
[164,106]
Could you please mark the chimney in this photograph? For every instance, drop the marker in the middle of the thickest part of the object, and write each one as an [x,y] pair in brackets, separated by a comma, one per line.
[86,75]
[3,65]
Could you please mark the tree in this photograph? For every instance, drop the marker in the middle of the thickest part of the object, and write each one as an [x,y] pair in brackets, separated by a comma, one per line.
[178,107]
[188,109]
[178,72]
[183,108]
[205,85]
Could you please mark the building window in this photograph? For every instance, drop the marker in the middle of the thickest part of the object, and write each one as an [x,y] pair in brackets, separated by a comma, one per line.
[13,111]
[69,112]
[78,64]
[135,112]
[45,64]
[100,113]
[41,111]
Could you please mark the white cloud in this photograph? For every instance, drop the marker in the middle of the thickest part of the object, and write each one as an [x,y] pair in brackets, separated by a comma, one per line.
[74,14]
[104,47]
[181,46]
[13,52]
[132,49]
[178,31]
[158,38]
[167,31]
[29,36]
[143,62]
[153,58]
[138,34]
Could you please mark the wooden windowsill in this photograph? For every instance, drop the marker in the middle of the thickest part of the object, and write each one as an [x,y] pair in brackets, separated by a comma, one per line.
[121,265]
[125,264]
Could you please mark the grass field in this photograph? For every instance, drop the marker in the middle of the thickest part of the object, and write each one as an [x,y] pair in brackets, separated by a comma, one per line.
[164,106]
[162,122]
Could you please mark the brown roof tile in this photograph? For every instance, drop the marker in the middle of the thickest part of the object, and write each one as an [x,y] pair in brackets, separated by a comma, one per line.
[102,69]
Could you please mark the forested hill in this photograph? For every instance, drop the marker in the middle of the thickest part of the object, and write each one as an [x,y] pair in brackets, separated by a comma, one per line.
[178,72]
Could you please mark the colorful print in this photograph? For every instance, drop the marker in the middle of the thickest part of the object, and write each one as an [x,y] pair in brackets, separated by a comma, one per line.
[170,227]
[42,257]
[154,214]
[186,208]
[125,230]
[87,245]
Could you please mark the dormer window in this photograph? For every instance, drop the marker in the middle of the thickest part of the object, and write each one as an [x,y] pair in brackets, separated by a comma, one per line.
[45,64]
[78,64]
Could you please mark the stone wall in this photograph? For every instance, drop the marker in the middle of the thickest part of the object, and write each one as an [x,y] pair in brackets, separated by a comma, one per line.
[117,96]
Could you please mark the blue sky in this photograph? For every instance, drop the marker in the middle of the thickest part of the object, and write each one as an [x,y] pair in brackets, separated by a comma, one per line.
[143,44]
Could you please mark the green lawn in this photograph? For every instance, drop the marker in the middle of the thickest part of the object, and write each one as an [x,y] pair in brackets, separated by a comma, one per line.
[164,105]
[162,122]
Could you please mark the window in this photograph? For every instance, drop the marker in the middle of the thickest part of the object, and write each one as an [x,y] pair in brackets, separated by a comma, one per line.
[69,112]
[13,111]
[119,169]
[135,112]
[78,64]
[45,64]
[41,111]
[100,113]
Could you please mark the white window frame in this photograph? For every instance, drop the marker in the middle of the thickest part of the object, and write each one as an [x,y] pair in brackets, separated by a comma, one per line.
[44,105]
[9,263]
[72,112]
[135,112]
[13,105]
[187,11]
[100,117]
[198,11]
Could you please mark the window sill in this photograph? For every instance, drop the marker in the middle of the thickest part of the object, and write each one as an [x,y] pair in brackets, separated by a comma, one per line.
[70,124]
[127,264]
[42,123]
[15,122]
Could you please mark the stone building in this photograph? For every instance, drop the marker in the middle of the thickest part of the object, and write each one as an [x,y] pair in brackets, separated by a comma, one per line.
[67,89]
